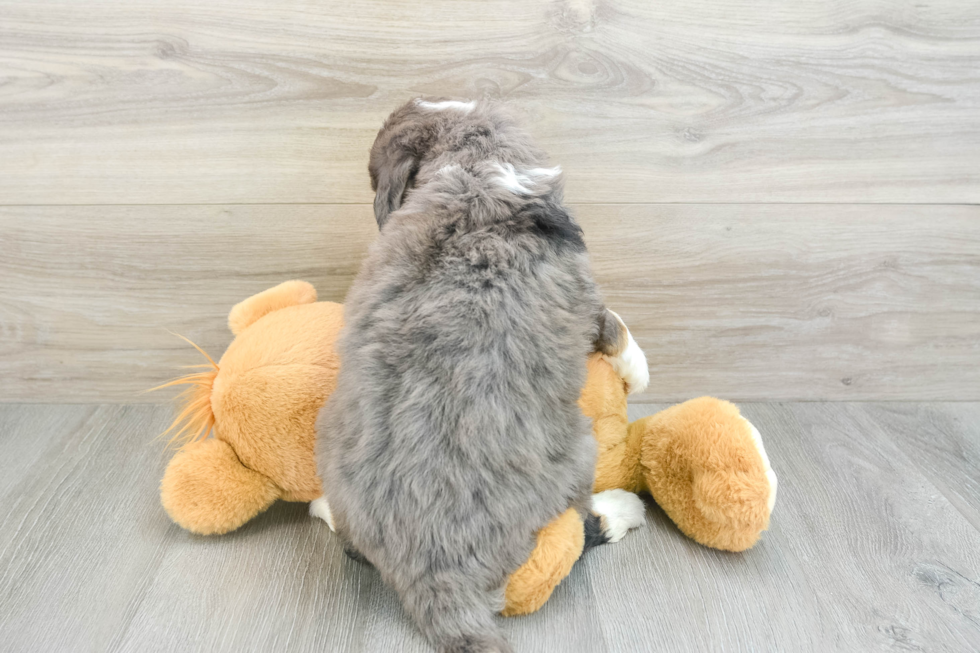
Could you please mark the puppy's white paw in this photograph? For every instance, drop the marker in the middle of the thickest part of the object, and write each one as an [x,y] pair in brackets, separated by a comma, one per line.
[320,509]
[631,362]
[770,475]
[620,511]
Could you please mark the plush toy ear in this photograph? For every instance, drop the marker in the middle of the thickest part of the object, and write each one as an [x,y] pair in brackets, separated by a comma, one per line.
[288,293]
[208,491]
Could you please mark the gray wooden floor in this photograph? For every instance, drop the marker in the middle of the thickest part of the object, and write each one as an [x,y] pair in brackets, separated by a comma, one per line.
[874,545]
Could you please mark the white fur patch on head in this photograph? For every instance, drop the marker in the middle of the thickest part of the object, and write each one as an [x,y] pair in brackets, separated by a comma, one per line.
[770,475]
[522,182]
[446,105]
[546,173]
[509,178]
[631,362]
[621,511]
[319,508]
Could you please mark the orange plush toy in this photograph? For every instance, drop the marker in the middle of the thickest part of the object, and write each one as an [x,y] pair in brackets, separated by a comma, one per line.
[259,403]
[700,460]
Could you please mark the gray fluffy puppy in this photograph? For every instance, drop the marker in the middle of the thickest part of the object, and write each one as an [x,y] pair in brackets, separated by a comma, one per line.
[454,434]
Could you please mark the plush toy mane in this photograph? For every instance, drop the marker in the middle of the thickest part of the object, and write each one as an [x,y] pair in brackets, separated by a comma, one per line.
[195,419]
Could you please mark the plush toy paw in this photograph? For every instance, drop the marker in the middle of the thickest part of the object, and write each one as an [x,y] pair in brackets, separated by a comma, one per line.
[619,511]
[320,509]
[208,491]
[630,362]
[705,465]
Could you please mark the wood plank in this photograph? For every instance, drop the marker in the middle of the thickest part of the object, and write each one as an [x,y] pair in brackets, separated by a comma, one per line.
[863,553]
[73,545]
[944,443]
[813,302]
[724,101]
[741,301]
[89,293]
[24,434]
[89,560]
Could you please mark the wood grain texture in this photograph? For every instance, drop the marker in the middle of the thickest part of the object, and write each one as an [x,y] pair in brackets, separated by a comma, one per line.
[741,301]
[944,443]
[813,302]
[863,553]
[725,101]
[89,293]
[72,534]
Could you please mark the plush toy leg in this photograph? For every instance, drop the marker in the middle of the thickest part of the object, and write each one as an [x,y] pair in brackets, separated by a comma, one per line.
[559,545]
[704,464]
[206,489]
[603,400]
[288,293]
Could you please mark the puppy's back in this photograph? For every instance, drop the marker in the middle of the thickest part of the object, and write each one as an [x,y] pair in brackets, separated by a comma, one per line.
[454,434]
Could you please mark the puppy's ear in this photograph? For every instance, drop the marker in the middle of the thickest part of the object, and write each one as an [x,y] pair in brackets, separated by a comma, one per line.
[390,177]
[398,150]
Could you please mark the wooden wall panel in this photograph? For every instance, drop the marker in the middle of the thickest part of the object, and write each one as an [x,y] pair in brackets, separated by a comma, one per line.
[809,302]
[743,301]
[88,294]
[249,101]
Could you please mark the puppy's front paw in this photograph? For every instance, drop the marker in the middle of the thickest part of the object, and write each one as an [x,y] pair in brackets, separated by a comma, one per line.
[629,362]
[620,511]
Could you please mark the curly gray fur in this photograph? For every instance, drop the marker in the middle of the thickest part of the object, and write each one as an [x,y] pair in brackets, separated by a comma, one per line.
[454,435]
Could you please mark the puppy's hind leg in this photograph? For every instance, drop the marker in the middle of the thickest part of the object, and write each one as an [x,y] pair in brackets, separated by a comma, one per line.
[616,344]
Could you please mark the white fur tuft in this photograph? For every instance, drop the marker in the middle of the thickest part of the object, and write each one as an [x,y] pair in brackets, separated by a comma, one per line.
[631,363]
[621,511]
[547,173]
[771,475]
[321,509]
[445,105]
[523,183]
[512,180]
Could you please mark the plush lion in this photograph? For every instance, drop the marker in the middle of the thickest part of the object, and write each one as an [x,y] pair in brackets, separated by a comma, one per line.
[247,436]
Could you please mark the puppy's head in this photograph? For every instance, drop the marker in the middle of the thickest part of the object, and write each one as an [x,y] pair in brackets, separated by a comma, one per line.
[406,139]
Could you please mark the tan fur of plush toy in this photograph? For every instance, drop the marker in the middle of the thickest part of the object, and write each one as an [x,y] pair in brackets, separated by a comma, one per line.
[700,460]
[261,401]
